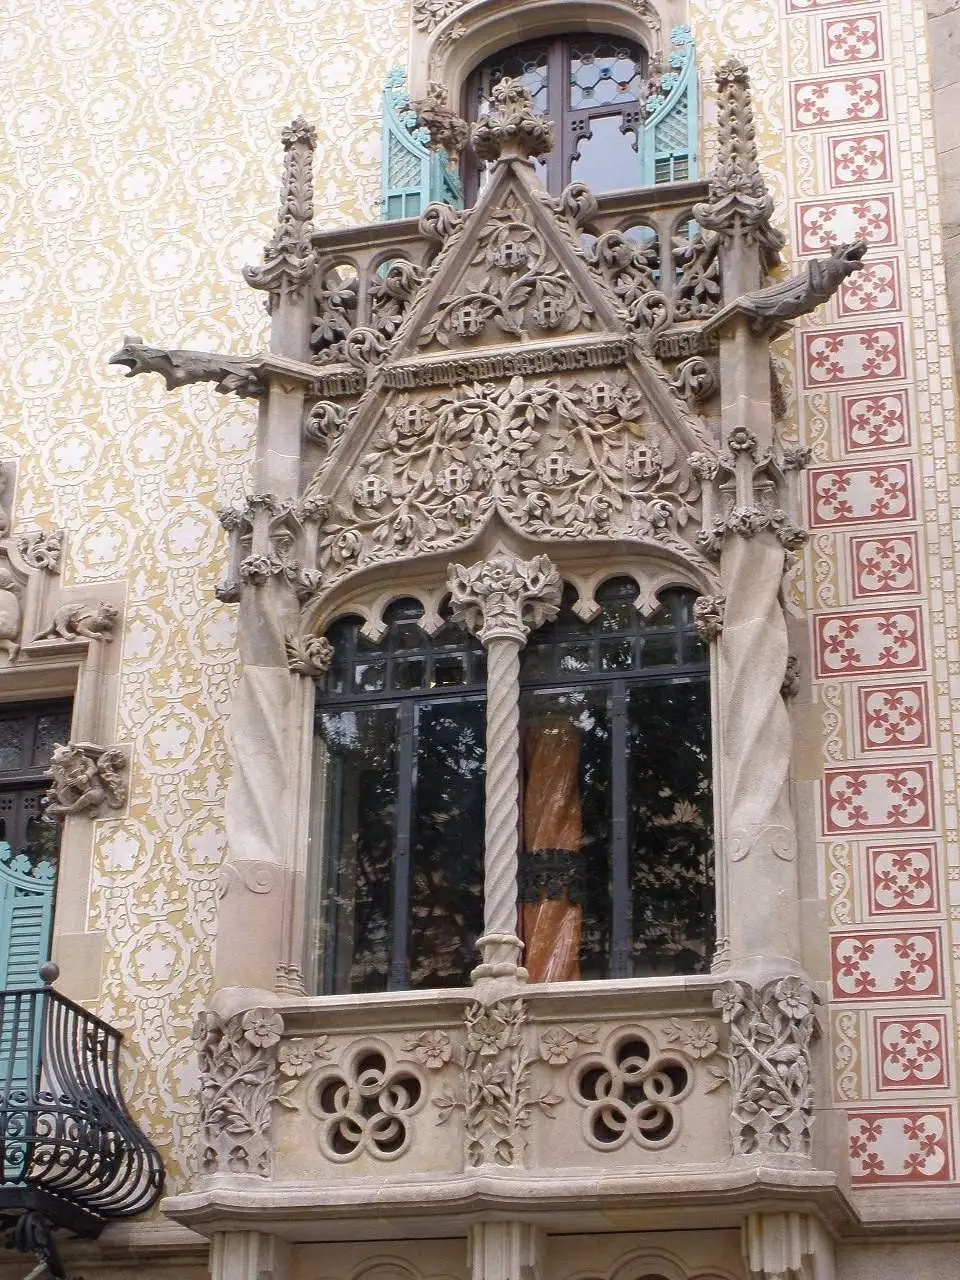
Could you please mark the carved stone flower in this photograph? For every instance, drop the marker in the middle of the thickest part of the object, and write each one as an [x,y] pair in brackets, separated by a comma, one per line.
[262,1027]
[488,1035]
[298,1056]
[794,998]
[557,1046]
[700,1040]
[431,1048]
[729,1000]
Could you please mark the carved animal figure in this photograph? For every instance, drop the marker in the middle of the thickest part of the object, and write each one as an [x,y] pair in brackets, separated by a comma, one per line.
[82,621]
[179,368]
[84,777]
[816,284]
[11,614]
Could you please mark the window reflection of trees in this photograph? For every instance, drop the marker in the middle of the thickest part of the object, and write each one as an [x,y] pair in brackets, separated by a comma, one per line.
[399,815]
[635,693]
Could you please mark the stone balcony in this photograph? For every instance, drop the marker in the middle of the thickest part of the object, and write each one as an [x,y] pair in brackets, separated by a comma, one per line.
[565,1102]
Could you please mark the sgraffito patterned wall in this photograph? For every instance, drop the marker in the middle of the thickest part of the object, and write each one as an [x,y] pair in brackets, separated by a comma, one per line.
[139,168]
[845,137]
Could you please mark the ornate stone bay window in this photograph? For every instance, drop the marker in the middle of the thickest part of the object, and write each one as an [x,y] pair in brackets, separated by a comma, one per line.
[509,591]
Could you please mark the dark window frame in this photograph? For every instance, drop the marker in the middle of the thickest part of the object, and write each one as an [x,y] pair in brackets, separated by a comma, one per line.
[28,782]
[573,124]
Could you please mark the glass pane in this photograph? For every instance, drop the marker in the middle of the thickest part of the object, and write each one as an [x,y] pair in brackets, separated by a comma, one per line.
[449,669]
[527,63]
[369,677]
[359,810]
[607,160]
[670,824]
[602,71]
[51,729]
[565,859]
[11,742]
[446,904]
[616,655]
[659,651]
[409,673]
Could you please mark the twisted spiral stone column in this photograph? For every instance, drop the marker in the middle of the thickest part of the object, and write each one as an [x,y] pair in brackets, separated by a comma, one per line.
[502,599]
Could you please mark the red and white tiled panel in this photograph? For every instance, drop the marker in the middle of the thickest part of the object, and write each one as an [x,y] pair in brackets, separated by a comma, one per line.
[829,221]
[861,494]
[878,798]
[853,643]
[896,1146]
[902,879]
[874,289]
[892,717]
[911,1053]
[836,356]
[875,421]
[847,41]
[838,100]
[884,566]
[862,158]
[905,965]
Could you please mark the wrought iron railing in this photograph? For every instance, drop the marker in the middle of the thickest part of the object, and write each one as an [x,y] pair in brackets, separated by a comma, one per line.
[70,1153]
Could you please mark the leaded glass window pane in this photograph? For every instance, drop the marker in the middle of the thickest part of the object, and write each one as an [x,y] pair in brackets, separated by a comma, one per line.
[592,86]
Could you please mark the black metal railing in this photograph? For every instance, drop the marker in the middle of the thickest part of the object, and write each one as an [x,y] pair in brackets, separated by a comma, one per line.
[69,1149]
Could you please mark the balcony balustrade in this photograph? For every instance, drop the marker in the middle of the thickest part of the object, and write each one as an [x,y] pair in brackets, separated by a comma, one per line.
[70,1154]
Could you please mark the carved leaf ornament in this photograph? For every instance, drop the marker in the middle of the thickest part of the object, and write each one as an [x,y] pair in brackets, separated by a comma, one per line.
[574,461]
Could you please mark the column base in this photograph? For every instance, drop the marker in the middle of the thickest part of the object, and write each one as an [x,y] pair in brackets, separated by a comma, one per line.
[501,958]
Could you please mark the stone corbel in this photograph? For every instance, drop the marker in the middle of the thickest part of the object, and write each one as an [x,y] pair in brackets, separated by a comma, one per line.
[270,538]
[86,779]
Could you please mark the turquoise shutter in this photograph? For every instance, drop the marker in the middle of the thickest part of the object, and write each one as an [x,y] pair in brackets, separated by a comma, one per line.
[668,138]
[412,175]
[26,914]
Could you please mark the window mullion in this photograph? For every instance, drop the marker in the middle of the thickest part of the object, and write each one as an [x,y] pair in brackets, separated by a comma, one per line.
[397,978]
[619,842]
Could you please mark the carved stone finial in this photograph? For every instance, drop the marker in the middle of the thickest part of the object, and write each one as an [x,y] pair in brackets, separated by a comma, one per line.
[82,622]
[739,204]
[708,617]
[309,655]
[446,129]
[511,129]
[505,597]
[289,258]
[768,1066]
[84,778]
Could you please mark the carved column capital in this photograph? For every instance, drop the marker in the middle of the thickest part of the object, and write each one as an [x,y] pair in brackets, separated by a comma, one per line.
[505,598]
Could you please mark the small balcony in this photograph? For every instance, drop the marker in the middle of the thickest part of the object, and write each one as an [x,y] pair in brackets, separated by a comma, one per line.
[71,1157]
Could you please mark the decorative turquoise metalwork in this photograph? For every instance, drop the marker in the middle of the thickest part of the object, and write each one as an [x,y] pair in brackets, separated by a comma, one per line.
[668,137]
[412,174]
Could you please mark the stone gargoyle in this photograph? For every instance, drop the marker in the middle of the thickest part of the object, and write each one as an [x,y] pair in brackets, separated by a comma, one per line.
[180,368]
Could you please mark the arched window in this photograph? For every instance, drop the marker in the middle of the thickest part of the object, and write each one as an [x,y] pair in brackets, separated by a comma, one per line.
[616,838]
[616,872]
[592,86]
[399,776]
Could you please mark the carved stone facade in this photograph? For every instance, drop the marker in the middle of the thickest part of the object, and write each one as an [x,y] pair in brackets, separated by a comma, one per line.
[477,411]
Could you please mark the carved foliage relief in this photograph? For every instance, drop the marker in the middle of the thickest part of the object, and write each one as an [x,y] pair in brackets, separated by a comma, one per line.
[557,460]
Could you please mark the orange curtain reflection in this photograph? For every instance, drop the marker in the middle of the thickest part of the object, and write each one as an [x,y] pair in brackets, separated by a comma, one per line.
[550,923]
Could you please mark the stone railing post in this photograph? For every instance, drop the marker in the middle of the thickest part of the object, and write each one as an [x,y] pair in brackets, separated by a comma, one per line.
[502,599]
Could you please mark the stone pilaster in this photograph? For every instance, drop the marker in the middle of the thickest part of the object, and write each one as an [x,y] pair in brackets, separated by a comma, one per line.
[506,1251]
[502,599]
[787,1246]
[249,1255]
[258,881]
